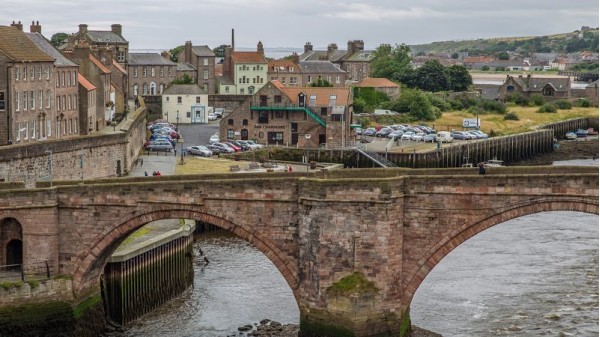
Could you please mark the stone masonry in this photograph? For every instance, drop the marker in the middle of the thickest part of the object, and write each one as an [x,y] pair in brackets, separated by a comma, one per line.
[393,227]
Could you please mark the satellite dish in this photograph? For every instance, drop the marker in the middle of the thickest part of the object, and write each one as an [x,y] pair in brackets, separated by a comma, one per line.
[307,136]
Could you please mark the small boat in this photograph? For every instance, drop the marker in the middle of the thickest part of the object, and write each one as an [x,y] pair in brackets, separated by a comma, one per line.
[493,163]
[581,133]
[570,135]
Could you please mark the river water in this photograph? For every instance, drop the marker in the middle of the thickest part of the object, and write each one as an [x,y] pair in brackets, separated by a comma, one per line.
[532,276]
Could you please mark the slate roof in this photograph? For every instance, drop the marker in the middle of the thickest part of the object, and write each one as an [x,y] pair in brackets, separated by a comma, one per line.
[319,67]
[185,67]
[538,83]
[145,59]
[184,89]
[103,36]
[283,66]
[248,57]
[18,47]
[44,45]
[85,83]
[360,56]
[202,51]
[372,82]
[321,55]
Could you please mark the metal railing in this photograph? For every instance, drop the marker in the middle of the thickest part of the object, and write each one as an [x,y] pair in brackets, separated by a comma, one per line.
[376,158]
[38,270]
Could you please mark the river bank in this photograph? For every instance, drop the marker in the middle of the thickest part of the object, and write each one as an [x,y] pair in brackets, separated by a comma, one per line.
[581,148]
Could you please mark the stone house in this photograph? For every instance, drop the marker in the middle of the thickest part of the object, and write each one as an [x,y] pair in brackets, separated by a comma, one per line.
[87,105]
[380,84]
[355,61]
[296,116]
[27,88]
[185,103]
[66,94]
[202,59]
[285,71]
[244,73]
[551,88]
[149,74]
[312,71]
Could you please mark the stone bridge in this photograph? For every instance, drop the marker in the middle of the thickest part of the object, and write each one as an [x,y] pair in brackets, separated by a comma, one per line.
[387,227]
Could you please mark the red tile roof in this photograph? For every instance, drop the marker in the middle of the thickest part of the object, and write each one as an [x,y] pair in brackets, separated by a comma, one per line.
[85,83]
[376,83]
[248,57]
[119,67]
[99,64]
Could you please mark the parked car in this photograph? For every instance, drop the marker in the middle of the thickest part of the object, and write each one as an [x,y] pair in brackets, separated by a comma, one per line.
[418,136]
[383,132]
[581,133]
[214,138]
[253,144]
[444,137]
[370,132]
[160,145]
[429,138]
[407,135]
[235,147]
[570,135]
[212,117]
[460,135]
[358,131]
[199,150]
[241,144]
[249,145]
[219,112]
[396,134]
[220,148]
[478,134]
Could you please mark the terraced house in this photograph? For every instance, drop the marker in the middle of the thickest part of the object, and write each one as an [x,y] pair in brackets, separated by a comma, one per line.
[297,116]
[202,60]
[355,61]
[149,74]
[27,86]
[244,73]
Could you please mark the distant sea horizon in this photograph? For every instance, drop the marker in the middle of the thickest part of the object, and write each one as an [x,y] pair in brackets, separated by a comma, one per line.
[274,53]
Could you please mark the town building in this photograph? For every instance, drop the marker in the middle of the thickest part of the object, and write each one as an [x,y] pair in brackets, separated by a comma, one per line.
[87,105]
[149,74]
[293,116]
[65,113]
[551,88]
[202,59]
[245,72]
[27,88]
[185,103]
[355,61]
[285,71]
[381,85]
[295,73]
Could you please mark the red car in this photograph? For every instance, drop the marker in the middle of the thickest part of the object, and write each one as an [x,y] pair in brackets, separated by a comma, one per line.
[233,146]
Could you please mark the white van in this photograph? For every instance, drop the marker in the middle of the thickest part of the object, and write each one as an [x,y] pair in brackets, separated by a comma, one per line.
[444,137]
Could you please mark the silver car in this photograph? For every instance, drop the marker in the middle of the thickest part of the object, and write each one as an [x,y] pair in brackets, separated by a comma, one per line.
[199,150]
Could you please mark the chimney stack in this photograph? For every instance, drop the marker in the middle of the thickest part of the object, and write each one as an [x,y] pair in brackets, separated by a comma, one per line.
[117,29]
[35,27]
[82,29]
[232,39]
[260,49]
[187,52]
[308,47]
[295,58]
[18,26]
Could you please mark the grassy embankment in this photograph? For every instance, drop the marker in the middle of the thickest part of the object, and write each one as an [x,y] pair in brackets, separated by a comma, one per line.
[195,165]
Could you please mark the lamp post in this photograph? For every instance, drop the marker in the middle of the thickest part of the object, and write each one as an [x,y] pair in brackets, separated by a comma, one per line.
[177,126]
[167,113]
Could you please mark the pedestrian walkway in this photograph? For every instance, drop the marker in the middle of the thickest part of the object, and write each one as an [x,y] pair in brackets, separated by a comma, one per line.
[163,162]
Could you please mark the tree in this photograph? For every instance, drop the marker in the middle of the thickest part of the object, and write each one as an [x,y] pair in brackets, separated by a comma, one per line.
[459,78]
[58,39]
[186,79]
[390,62]
[432,76]
[485,68]
[503,56]
[454,56]
[175,52]
[220,50]
[320,83]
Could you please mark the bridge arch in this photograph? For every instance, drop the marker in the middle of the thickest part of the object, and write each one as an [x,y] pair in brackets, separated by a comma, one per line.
[11,241]
[436,253]
[92,260]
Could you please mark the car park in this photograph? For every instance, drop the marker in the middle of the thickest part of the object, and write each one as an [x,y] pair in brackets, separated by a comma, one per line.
[199,150]
[240,144]
[235,147]
[253,144]
[383,132]
[478,134]
[214,138]
[396,134]
[224,147]
[370,132]
[160,145]
[460,135]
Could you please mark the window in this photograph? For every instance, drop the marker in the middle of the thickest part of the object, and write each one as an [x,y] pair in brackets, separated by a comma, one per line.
[293,80]
[144,71]
[275,137]
[32,72]
[263,117]
[170,71]
[283,80]
[205,74]
[135,89]
[197,99]
[279,114]
[152,72]
[162,71]
[323,111]
[24,73]
[75,125]
[205,87]
[48,72]
[24,100]
[121,56]
[332,100]
[69,79]
[69,103]
[337,79]
[205,62]
[64,102]
[277,98]
[161,88]
[2,101]
[144,89]
[33,129]
[309,79]
[226,89]
[62,79]
[48,99]
[230,134]
[74,102]
[26,130]
[41,98]
[242,91]
[16,73]
[167,98]
[40,73]
[135,71]
[188,114]
[230,121]
[312,100]
[17,101]
[49,122]
[510,88]
[244,122]
[152,88]
[74,78]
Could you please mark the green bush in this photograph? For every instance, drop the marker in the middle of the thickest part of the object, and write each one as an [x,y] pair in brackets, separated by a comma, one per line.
[563,104]
[549,108]
[583,103]
[518,99]
[511,116]
[537,100]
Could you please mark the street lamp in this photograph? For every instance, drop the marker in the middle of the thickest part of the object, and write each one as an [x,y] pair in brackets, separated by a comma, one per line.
[177,126]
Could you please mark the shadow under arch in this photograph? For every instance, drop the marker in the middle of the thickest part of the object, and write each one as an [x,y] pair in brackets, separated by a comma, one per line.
[11,241]
[91,261]
[436,253]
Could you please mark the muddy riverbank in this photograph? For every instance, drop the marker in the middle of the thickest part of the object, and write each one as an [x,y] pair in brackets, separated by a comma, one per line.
[582,148]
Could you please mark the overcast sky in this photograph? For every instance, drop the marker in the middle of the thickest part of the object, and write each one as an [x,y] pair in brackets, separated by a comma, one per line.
[160,24]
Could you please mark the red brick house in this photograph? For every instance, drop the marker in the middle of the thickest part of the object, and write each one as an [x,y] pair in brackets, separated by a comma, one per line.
[278,115]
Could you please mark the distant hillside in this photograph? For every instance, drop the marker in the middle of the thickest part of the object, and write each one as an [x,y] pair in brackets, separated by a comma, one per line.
[559,43]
